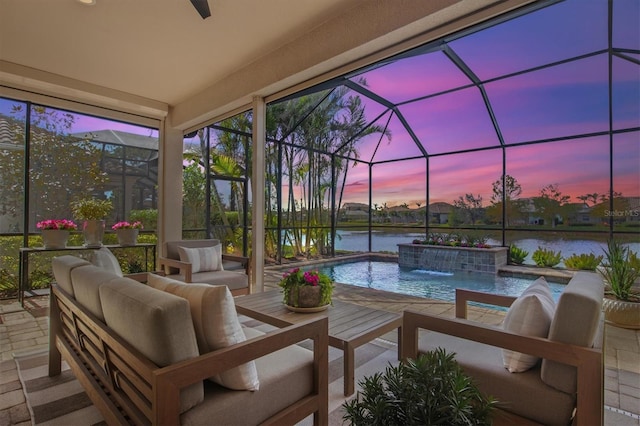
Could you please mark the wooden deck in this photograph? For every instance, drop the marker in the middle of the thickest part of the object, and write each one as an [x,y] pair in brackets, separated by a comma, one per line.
[350,326]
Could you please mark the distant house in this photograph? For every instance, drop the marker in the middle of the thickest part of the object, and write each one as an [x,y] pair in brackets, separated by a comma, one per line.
[354,211]
[439,212]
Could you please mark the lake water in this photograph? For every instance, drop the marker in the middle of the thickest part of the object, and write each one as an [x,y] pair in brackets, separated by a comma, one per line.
[382,241]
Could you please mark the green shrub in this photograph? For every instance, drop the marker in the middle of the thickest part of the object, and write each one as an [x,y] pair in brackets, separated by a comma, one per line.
[619,271]
[430,390]
[148,217]
[546,258]
[517,255]
[584,261]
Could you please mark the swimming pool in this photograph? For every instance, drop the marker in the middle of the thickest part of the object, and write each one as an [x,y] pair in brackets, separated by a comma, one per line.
[389,276]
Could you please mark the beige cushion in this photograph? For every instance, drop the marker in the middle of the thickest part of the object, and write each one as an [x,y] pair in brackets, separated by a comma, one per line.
[216,325]
[529,315]
[62,267]
[286,376]
[524,393]
[156,323]
[232,279]
[576,322]
[170,249]
[86,281]
[103,258]
[202,259]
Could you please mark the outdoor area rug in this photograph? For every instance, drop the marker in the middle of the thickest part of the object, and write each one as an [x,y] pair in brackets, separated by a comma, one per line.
[62,401]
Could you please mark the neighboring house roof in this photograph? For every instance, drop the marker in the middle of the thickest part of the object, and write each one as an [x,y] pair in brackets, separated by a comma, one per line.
[440,208]
[355,206]
[120,138]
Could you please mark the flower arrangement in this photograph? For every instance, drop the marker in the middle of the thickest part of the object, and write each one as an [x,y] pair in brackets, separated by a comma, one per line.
[91,209]
[61,224]
[127,225]
[295,278]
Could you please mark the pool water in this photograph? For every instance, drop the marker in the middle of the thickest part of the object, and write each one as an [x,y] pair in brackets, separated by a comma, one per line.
[389,276]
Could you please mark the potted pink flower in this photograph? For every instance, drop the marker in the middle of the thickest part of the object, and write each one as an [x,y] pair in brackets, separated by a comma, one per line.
[306,289]
[127,232]
[55,232]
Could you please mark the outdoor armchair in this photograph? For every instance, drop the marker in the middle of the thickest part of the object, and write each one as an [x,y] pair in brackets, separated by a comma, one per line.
[203,261]
[569,376]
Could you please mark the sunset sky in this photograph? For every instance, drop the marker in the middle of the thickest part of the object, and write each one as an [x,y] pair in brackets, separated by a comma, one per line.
[566,100]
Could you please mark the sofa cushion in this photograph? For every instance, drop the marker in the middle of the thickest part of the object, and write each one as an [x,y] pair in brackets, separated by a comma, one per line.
[156,323]
[62,267]
[216,325]
[105,259]
[202,259]
[524,394]
[286,376]
[529,315]
[576,322]
[86,281]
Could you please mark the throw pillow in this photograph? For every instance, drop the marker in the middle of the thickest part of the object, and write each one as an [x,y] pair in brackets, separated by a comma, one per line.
[530,315]
[202,259]
[216,324]
[103,258]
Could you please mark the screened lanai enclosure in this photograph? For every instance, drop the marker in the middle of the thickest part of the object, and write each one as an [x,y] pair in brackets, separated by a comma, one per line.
[51,157]
[524,130]
[524,127]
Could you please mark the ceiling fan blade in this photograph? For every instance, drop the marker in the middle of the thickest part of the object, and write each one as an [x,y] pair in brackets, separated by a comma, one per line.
[202,6]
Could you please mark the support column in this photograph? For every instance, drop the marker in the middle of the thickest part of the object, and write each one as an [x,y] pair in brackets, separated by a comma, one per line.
[257,195]
[169,184]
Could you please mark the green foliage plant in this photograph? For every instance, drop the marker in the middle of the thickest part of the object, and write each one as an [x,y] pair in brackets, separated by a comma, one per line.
[517,255]
[584,261]
[546,258]
[91,208]
[148,216]
[433,389]
[619,271]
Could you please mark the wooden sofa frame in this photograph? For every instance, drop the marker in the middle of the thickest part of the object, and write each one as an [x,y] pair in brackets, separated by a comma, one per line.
[589,361]
[128,388]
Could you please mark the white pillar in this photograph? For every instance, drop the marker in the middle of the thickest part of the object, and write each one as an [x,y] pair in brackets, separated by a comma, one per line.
[169,184]
[257,195]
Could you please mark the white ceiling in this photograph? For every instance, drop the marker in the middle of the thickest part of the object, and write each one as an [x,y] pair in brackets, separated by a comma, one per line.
[159,58]
[144,47]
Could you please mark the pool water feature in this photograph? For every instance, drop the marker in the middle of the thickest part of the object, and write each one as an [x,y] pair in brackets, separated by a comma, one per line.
[388,276]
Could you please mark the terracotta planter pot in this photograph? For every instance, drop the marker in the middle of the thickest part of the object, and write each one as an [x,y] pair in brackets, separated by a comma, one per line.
[127,237]
[55,238]
[621,313]
[305,297]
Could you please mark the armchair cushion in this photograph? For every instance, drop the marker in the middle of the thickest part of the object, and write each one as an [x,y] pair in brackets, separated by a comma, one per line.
[530,315]
[216,325]
[202,259]
[579,303]
[523,393]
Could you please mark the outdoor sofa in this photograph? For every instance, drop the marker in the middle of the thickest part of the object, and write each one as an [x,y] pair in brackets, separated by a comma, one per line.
[148,355]
[567,380]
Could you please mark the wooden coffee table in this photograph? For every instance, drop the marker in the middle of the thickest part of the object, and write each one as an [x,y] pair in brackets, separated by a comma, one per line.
[350,326]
